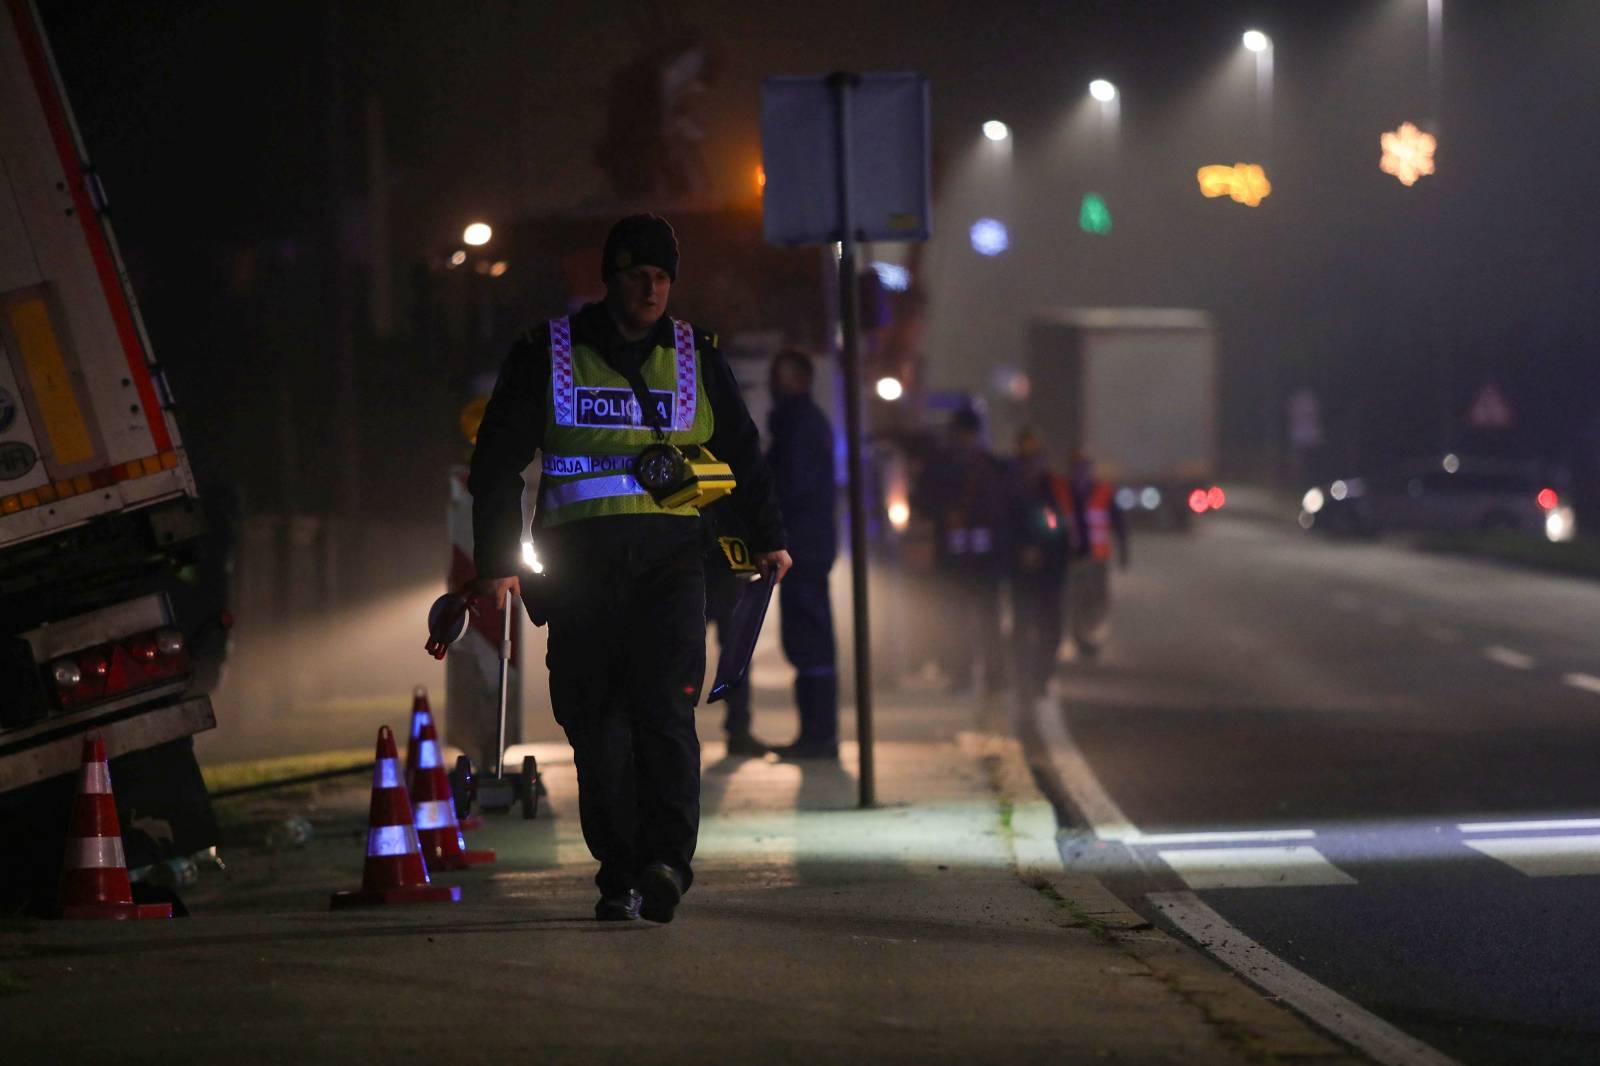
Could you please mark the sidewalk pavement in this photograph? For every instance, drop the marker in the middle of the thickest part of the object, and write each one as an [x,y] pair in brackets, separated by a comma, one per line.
[938,927]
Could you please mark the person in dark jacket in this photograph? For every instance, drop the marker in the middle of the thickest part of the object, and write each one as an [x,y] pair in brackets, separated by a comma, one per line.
[624,584]
[801,458]
[1040,545]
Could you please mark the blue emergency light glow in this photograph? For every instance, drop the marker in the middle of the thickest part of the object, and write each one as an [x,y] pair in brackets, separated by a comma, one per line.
[990,236]
[892,276]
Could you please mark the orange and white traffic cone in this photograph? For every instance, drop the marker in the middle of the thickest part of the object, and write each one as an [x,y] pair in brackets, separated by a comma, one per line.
[394,871]
[442,843]
[421,715]
[94,873]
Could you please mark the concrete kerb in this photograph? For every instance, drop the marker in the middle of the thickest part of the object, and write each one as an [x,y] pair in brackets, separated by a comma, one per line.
[1238,1012]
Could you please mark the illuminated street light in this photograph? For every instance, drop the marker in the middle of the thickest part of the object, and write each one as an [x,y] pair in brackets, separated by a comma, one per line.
[477,234]
[890,389]
[458,257]
[996,130]
[1102,90]
[1257,41]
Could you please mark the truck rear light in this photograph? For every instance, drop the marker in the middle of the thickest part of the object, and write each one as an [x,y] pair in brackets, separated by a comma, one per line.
[1199,501]
[105,671]
[1548,499]
[1216,498]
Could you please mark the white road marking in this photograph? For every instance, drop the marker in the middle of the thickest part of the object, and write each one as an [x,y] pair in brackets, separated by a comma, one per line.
[1587,682]
[1074,773]
[1241,836]
[1345,1019]
[1351,1023]
[1288,866]
[1529,827]
[1516,660]
[1568,856]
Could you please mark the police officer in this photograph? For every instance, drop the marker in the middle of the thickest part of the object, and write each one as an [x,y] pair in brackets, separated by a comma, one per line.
[801,457]
[624,589]
[1096,522]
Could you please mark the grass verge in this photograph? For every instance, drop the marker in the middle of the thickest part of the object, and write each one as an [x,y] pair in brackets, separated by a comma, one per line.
[256,771]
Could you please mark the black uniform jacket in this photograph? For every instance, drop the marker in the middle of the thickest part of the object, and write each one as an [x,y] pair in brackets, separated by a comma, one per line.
[513,429]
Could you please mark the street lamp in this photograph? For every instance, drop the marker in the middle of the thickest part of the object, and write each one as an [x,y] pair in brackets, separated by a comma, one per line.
[477,234]
[1102,90]
[996,130]
[1256,41]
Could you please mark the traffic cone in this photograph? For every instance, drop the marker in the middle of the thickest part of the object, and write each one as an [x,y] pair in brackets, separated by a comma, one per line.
[94,873]
[443,846]
[420,715]
[395,871]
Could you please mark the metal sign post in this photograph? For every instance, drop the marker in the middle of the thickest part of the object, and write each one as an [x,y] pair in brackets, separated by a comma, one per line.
[815,134]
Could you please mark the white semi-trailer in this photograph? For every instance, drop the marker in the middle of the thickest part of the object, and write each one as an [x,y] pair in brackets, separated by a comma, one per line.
[99,518]
[1136,389]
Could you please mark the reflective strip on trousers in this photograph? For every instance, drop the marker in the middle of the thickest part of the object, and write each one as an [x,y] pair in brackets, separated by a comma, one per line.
[392,840]
[593,488]
[94,779]
[435,814]
[94,853]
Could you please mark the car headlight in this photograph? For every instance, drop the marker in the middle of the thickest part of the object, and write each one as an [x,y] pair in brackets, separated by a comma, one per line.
[1313,500]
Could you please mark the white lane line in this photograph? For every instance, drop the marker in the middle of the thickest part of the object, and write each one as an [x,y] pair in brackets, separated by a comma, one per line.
[1074,773]
[1346,1020]
[1529,827]
[1239,836]
[1516,660]
[1569,856]
[1291,866]
[1587,682]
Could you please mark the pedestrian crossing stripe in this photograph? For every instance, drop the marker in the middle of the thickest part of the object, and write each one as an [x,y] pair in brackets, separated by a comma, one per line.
[1553,856]
[1205,869]
[1280,866]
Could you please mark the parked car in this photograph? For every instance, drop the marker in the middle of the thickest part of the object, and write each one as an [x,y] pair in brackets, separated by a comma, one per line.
[1454,495]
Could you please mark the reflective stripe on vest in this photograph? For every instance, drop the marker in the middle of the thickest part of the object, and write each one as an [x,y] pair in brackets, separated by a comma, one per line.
[594,425]
[1097,515]
[564,387]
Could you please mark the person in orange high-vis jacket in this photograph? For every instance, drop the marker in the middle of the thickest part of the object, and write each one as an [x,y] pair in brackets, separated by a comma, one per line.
[1098,530]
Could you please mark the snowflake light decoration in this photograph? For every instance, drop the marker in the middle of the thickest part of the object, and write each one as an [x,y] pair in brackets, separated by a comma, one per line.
[1245,183]
[1407,153]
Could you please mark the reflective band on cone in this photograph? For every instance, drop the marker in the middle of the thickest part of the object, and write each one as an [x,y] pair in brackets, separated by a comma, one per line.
[442,842]
[421,714]
[394,871]
[94,873]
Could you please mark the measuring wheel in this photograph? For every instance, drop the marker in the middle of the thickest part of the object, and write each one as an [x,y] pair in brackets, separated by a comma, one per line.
[530,787]
[463,787]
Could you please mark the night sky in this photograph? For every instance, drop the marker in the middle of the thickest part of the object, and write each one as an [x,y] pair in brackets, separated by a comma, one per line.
[216,127]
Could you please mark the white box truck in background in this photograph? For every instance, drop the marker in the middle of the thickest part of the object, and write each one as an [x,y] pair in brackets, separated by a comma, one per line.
[1136,389]
[99,518]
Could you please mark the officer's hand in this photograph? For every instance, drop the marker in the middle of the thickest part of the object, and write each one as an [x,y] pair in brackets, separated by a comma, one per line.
[775,563]
[492,589]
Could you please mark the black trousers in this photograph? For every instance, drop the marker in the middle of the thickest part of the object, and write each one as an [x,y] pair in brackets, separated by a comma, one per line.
[627,660]
[1037,608]
[806,617]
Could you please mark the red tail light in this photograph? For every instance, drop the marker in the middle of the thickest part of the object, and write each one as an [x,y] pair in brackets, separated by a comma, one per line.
[1548,499]
[115,669]
[1216,498]
[1199,501]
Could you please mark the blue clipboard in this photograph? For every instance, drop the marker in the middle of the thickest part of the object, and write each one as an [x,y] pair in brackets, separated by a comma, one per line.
[744,628]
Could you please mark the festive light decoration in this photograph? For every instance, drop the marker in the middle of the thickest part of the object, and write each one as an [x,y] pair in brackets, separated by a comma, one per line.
[1094,216]
[1246,183]
[1407,153]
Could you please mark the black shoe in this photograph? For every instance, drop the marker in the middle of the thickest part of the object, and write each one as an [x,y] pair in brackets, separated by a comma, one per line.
[662,888]
[804,749]
[745,744]
[619,908]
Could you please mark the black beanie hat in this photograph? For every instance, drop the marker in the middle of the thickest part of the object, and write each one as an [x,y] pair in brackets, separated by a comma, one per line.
[637,239]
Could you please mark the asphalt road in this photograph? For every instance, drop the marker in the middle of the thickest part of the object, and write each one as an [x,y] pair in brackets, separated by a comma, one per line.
[1402,752]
